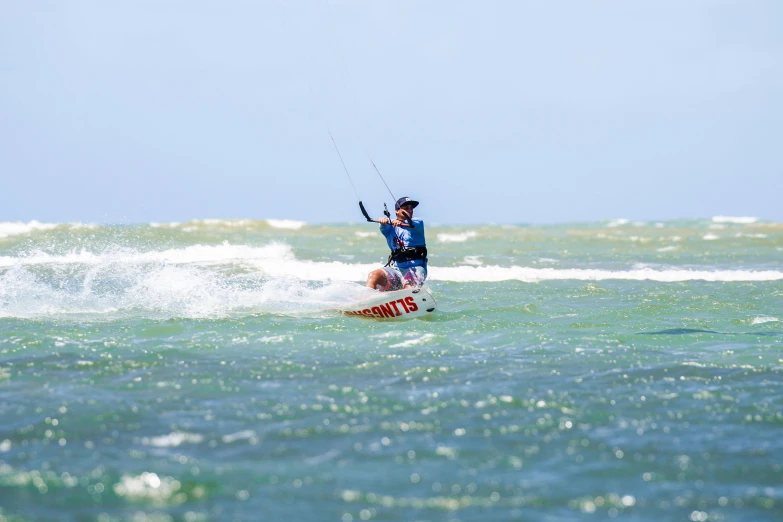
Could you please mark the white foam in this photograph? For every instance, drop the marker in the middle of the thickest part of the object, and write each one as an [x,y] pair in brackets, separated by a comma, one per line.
[240,435]
[735,220]
[196,224]
[196,254]
[762,320]
[222,280]
[456,238]
[172,440]
[617,223]
[424,339]
[198,281]
[533,275]
[222,222]
[288,224]
[147,487]
[274,339]
[710,237]
[8,229]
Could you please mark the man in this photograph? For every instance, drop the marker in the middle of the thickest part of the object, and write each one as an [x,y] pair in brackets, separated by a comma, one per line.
[407,265]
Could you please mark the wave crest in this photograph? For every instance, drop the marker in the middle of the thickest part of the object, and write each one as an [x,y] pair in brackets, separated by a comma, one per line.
[225,279]
[735,220]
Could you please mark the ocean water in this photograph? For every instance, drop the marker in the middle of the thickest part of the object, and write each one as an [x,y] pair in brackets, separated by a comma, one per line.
[195,371]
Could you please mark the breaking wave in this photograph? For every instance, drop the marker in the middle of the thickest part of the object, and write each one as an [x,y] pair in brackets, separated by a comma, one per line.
[456,238]
[735,220]
[17,228]
[225,279]
[467,274]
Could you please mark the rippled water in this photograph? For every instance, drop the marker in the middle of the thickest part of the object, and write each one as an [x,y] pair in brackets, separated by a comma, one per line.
[156,373]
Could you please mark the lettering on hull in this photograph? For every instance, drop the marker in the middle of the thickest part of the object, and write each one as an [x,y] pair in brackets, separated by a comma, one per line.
[390,309]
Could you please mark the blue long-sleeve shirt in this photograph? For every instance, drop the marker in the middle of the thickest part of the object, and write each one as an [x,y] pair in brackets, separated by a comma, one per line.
[410,237]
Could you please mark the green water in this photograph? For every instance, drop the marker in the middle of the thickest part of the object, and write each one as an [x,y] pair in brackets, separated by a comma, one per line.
[571,372]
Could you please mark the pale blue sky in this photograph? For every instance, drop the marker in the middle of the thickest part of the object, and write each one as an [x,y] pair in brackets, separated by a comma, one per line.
[486,111]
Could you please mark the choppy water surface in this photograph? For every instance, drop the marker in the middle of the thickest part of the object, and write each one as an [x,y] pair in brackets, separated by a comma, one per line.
[577,372]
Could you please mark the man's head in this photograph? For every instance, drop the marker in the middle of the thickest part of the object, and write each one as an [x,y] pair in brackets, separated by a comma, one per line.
[405,207]
[405,201]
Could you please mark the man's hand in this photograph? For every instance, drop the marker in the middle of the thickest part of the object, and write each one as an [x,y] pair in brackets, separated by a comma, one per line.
[395,222]
[405,217]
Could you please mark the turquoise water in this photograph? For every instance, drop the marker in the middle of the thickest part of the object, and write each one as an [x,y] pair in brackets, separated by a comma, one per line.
[194,371]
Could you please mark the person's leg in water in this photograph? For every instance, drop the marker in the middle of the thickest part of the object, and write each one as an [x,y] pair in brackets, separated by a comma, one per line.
[384,279]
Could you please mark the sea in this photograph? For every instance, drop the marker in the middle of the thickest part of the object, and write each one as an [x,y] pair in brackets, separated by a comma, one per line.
[199,371]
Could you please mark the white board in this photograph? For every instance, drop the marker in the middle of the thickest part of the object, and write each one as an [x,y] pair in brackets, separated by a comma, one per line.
[409,303]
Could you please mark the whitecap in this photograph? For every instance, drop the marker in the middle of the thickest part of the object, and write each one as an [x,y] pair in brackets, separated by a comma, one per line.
[710,237]
[274,339]
[735,220]
[240,435]
[617,223]
[288,224]
[78,226]
[762,320]
[194,254]
[8,229]
[172,224]
[148,487]
[225,223]
[492,273]
[414,342]
[456,238]
[172,440]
